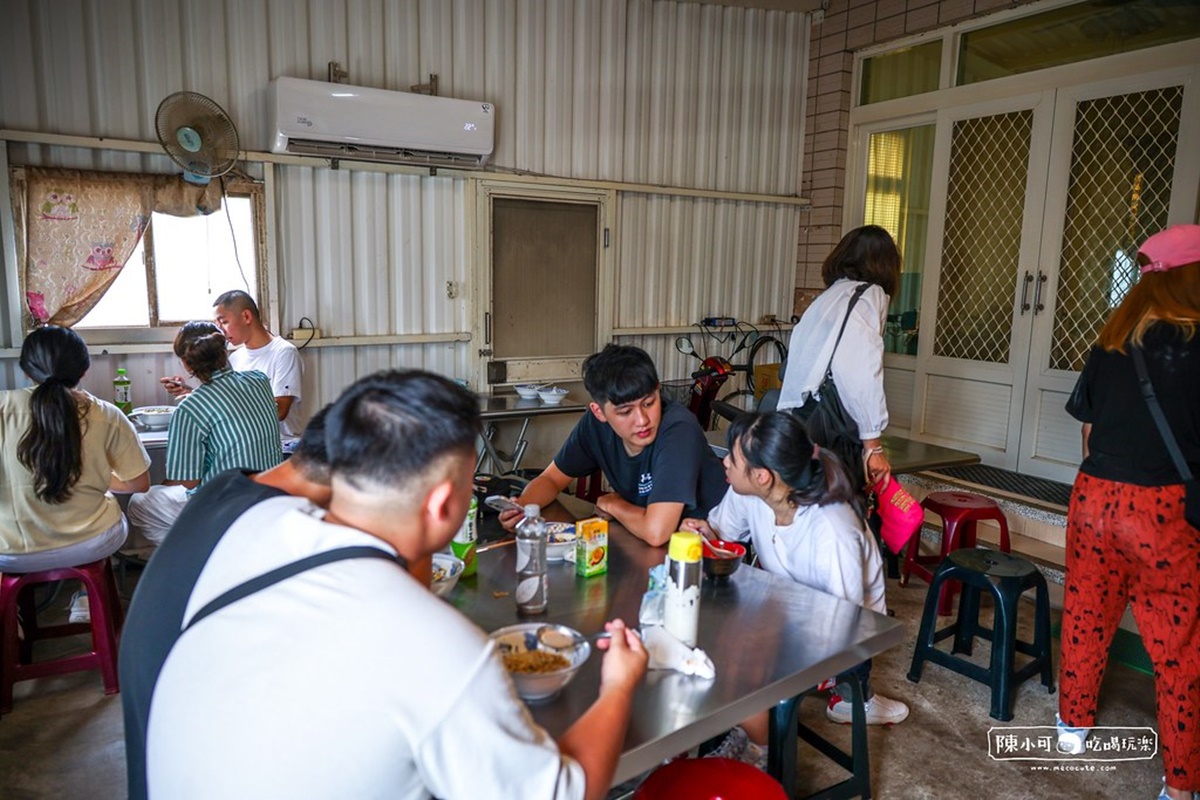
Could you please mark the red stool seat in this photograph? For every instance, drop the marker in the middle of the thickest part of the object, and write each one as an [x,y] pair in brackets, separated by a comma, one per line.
[16,662]
[709,779]
[959,512]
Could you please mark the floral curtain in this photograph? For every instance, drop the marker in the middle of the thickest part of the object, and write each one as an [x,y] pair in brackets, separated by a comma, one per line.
[79,228]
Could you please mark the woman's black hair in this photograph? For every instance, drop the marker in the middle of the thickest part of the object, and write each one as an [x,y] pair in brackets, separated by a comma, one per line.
[52,448]
[201,345]
[779,442]
[867,254]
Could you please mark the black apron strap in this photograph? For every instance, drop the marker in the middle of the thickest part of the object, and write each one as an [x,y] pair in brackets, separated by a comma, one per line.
[288,570]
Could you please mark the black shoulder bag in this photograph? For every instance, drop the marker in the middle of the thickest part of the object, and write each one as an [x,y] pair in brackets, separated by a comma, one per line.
[828,422]
[1191,487]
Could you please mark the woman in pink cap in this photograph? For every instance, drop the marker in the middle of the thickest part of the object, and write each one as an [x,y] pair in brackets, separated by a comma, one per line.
[1128,532]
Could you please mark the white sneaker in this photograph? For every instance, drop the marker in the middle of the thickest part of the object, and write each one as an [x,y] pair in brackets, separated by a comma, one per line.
[80,611]
[1070,740]
[732,746]
[880,710]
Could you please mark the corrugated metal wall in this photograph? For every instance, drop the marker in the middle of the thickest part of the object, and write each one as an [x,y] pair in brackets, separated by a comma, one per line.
[662,92]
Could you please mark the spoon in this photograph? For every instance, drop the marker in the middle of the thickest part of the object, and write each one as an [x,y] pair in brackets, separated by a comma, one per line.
[721,551]
[560,637]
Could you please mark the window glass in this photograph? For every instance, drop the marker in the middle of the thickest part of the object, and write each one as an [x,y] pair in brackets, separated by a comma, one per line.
[192,259]
[899,172]
[1073,33]
[901,73]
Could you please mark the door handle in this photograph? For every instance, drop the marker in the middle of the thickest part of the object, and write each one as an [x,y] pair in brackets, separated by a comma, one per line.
[1037,293]
[1025,292]
[487,327]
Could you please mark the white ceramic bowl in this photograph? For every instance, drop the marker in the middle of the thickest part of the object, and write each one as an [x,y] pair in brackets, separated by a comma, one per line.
[447,569]
[543,685]
[560,538]
[552,395]
[527,390]
[153,416]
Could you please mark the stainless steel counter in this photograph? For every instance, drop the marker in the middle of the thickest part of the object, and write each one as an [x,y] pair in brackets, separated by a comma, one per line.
[770,639]
[905,455]
[502,407]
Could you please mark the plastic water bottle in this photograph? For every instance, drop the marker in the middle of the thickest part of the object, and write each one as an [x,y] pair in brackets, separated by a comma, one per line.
[121,391]
[681,607]
[531,562]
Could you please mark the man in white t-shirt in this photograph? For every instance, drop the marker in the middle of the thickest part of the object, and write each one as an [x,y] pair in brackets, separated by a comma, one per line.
[351,678]
[237,315]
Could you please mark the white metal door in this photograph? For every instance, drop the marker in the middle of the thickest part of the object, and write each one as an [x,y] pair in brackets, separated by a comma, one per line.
[986,216]
[1032,243]
[1117,175]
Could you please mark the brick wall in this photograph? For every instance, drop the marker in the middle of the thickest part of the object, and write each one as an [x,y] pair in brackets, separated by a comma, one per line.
[851,25]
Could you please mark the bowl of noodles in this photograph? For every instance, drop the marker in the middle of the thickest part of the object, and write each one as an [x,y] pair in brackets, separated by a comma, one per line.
[538,671]
[446,571]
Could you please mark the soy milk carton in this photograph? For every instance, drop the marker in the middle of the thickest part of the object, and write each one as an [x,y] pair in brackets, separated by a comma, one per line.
[591,547]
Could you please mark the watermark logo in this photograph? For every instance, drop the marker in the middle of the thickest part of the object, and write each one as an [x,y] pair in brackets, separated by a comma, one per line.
[1040,743]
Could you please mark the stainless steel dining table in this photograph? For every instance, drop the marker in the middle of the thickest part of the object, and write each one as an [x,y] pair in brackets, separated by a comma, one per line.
[770,639]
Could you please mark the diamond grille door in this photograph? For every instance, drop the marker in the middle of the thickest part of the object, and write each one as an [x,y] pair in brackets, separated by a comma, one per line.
[985,207]
[1119,192]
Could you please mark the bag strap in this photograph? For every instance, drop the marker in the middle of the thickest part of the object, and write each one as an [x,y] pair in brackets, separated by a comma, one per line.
[288,570]
[862,287]
[1160,419]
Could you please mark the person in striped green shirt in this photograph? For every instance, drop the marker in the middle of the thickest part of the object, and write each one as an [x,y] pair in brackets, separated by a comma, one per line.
[228,422]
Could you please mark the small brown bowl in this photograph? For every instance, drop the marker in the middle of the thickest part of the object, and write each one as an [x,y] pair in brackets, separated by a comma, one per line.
[720,567]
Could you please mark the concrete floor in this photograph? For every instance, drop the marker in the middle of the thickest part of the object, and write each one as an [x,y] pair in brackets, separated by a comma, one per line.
[63,738]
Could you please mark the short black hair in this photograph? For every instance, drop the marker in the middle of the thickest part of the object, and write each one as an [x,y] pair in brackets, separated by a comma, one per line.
[389,427]
[312,454]
[237,301]
[618,374]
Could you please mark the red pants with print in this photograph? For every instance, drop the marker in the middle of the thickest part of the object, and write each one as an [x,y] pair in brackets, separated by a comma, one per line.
[1129,543]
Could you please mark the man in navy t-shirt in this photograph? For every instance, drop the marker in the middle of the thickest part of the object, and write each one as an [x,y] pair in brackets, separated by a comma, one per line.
[653,453]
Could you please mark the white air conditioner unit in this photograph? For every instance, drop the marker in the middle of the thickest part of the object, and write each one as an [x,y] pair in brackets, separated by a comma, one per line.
[335,120]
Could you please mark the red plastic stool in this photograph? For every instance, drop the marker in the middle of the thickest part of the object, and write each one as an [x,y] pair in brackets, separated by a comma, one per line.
[959,512]
[16,662]
[709,779]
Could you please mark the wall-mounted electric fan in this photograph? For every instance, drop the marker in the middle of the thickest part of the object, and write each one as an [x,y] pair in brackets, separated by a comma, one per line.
[197,134]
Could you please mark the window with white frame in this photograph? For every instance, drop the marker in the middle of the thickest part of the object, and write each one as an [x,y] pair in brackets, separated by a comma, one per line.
[182,264]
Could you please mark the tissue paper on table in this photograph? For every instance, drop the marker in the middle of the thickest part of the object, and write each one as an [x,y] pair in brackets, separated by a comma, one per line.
[667,652]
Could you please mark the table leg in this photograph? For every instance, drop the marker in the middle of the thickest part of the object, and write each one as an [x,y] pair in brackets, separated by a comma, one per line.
[782,743]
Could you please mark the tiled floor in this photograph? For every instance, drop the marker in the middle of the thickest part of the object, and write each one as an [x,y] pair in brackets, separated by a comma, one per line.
[63,738]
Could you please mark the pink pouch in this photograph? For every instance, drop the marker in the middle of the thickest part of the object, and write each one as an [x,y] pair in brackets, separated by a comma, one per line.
[901,514]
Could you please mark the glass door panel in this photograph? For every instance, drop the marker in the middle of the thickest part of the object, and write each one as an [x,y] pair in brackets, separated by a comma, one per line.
[899,171]
[1119,192]
[981,245]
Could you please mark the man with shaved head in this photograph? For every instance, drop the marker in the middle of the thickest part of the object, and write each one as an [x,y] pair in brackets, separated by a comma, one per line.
[237,315]
[311,663]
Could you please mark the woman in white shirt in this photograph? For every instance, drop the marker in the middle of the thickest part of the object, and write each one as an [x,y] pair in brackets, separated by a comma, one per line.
[866,255]
[791,499]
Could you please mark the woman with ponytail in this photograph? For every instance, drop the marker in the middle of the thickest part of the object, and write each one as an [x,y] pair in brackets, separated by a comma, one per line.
[62,453]
[793,501]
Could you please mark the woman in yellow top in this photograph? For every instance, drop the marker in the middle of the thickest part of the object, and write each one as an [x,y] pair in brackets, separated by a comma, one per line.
[62,453]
